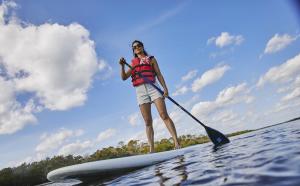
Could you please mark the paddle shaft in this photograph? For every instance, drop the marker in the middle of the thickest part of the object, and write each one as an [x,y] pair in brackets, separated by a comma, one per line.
[171,99]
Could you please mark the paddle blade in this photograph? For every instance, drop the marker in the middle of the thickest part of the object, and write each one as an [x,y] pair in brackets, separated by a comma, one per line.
[216,137]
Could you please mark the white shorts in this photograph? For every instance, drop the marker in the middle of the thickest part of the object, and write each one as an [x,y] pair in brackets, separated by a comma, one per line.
[146,93]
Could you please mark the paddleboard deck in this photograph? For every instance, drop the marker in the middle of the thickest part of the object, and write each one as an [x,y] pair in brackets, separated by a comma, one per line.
[112,167]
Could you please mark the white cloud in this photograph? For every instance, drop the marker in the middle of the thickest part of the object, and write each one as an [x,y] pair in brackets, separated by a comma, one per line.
[190,75]
[293,95]
[278,42]
[211,40]
[78,132]
[283,73]
[283,89]
[209,77]
[104,69]
[249,99]
[134,119]
[221,53]
[54,64]
[55,140]
[54,144]
[204,108]
[106,134]
[224,116]
[226,39]
[4,7]
[228,96]
[13,116]
[233,95]
[76,148]
[58,62]
[180,91]
[286,104]
[297,81]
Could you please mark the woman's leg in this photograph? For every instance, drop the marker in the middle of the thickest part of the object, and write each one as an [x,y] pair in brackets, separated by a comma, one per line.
[162,110]
[146,113]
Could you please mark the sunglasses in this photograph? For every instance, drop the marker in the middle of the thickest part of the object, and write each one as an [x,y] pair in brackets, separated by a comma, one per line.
[137,46]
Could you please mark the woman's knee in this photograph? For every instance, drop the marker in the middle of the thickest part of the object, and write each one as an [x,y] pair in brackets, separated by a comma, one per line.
[148,122]
[164,115]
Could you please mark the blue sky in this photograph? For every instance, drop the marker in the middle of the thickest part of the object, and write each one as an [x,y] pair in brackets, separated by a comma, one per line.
[234,64]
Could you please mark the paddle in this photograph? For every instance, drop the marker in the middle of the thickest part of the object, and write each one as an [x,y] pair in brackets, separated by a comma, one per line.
[215,136]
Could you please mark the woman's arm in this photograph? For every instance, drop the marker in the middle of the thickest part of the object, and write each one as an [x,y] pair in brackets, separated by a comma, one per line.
[124,75]
[160,76]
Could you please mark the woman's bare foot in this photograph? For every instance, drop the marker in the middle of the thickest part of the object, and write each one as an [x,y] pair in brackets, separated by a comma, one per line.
[177,146]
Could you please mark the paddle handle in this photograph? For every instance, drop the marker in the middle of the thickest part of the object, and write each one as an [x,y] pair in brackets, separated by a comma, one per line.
[171,99]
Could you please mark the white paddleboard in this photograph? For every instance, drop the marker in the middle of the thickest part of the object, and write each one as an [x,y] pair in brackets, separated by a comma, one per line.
[111,167]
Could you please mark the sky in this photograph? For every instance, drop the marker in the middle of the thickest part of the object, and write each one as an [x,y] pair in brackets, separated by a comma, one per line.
[235,65]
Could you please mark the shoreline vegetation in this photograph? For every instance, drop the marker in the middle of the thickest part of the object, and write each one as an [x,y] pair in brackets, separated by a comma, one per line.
[36,172]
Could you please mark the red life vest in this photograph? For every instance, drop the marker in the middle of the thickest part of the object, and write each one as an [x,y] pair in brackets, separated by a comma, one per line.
[144,67]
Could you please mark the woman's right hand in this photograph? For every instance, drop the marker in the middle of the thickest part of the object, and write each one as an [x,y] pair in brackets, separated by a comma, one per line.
[122,61]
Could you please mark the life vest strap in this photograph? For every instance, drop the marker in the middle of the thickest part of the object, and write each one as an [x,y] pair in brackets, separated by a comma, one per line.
[142,71]
[139,77]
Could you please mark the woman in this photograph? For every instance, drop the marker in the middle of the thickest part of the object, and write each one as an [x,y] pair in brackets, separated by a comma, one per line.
[146,93]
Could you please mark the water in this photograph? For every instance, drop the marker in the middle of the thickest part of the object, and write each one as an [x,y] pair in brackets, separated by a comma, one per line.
[269,156]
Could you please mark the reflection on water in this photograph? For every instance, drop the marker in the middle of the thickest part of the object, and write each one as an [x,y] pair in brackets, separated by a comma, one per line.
[172,175]
[270,156]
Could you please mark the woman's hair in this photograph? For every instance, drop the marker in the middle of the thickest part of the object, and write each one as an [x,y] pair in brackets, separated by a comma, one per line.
[139,42]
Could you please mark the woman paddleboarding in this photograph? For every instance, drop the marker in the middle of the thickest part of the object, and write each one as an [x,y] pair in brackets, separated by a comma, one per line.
[146,66]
